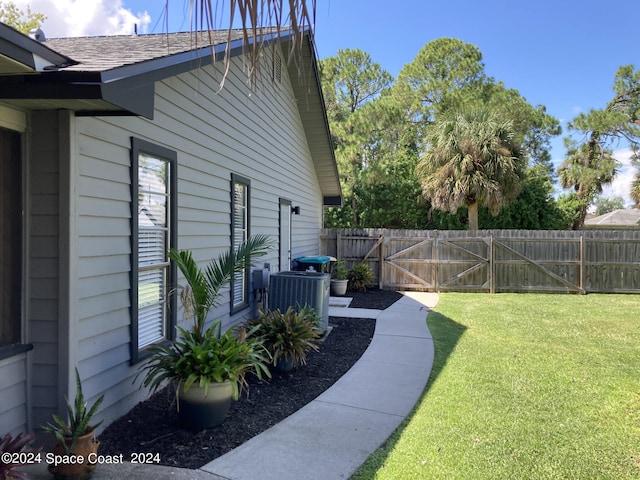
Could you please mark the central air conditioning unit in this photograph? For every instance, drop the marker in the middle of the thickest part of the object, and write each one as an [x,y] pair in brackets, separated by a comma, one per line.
[297,289]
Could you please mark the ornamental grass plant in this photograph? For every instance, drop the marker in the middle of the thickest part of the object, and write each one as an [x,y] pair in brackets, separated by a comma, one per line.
[289,335]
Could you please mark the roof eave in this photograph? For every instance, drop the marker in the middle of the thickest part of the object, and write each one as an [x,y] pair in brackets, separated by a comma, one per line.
[25,54]
[310,104]
[129,89]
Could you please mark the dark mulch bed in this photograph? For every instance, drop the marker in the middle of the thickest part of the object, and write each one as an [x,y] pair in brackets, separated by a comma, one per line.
[152,426]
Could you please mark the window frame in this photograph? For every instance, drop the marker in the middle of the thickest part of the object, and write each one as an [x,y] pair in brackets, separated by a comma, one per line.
[239,180]
[139,146]
[15,222]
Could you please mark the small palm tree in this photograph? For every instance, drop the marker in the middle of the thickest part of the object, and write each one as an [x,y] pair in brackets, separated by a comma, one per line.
[202,291]
[472,159]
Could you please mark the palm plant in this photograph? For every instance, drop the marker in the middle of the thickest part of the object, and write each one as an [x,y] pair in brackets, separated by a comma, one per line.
[203,288]
[361,277]
[258,19]
[635,191]
[472,159]
[587,168]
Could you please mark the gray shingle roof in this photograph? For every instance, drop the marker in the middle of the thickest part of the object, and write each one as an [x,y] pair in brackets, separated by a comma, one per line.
[96,54]
[618,218]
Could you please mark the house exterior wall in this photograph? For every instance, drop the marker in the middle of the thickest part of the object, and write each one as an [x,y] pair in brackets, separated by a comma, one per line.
[43,265]
[257,135]
[13,391]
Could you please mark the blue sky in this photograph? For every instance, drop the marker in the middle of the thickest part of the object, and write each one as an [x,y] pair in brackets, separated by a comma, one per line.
[562,54]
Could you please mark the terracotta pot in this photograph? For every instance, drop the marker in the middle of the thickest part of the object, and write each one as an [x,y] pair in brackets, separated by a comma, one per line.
[76,470]
[197,411]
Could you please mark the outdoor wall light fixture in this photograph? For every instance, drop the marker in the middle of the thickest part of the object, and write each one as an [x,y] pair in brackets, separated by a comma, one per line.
[295,210]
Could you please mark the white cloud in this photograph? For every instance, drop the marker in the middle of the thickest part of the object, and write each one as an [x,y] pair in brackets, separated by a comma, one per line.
[621,185]
[75,18]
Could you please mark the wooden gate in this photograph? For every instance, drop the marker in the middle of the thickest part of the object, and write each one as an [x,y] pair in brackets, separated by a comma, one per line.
[408,263]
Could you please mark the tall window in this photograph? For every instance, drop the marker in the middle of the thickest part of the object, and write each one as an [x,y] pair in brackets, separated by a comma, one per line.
[154,233]
[10,238]
[240,190]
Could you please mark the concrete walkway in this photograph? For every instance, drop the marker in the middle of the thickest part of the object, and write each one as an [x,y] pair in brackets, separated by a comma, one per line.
[333,435]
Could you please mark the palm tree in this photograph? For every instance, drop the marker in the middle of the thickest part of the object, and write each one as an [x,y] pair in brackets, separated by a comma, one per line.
[257,18]
[635,191]
[472,159]
[587,168]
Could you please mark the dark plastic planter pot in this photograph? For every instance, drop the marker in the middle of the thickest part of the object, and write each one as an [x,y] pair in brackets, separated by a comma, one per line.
[197,411]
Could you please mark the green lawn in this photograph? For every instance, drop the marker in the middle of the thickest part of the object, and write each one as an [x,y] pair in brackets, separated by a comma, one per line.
[524,387]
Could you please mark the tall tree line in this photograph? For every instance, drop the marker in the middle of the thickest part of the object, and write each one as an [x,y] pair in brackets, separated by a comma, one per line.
[384,129]
[405,159]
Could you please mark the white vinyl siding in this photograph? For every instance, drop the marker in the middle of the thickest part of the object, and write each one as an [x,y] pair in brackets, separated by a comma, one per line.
[13,388]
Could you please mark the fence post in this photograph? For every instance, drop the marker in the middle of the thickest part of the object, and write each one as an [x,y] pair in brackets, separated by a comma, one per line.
[492,285]
[436,258]
[582,262]
[381,263]
[338,245]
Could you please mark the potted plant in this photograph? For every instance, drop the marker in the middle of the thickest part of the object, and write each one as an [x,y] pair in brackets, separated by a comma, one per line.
[76,438]
[361,277]
[208,367]
[339,280]
[288,336]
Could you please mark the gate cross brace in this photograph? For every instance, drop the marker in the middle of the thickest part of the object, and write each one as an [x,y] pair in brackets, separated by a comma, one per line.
[545,270]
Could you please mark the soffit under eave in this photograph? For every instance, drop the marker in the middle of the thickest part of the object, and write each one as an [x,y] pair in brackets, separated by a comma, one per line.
[10,66]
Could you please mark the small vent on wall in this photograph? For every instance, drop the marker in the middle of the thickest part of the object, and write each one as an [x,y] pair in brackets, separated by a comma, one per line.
[277,69]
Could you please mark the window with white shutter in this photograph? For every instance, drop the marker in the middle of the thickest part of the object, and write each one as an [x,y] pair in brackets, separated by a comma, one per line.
[240,194]
[153,234]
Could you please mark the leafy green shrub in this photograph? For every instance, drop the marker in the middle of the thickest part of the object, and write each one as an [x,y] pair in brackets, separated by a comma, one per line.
[340,271]
[208,357]
[361,277]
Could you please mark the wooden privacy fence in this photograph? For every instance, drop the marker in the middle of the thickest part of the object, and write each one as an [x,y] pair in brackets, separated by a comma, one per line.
[606,261]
